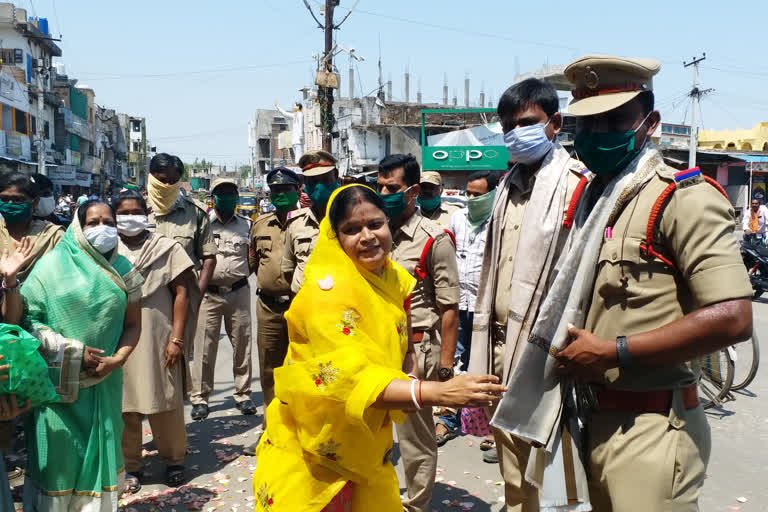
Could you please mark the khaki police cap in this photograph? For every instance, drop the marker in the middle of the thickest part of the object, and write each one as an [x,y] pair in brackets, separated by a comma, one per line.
[603,83]
[223,181]
[432,177]
[315,163]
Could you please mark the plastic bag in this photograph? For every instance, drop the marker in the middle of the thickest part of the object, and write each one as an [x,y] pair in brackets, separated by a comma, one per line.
[28,375]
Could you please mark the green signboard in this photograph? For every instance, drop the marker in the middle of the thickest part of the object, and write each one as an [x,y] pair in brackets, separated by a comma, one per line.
[464,158]
[460,158]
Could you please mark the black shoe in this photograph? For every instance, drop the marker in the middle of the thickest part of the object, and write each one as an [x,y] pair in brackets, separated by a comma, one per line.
[200,412]
[491,456]
[247,407]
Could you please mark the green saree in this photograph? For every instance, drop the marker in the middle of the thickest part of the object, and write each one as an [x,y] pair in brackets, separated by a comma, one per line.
[75,455]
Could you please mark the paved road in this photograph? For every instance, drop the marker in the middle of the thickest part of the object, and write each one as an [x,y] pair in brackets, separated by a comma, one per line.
[737,468]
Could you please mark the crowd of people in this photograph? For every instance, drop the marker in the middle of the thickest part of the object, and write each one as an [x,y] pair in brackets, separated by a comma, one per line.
[554,315]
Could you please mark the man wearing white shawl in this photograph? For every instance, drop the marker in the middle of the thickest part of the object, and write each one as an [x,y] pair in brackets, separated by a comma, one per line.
[643,286]
[525,233]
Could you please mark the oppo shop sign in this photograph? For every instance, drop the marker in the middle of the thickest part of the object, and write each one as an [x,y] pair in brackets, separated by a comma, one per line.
[464,158]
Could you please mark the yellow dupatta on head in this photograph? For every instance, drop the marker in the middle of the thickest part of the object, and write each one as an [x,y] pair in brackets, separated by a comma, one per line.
[348,337]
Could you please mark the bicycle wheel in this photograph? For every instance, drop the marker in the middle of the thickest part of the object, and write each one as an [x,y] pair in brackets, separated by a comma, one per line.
[747,361]
[716,378]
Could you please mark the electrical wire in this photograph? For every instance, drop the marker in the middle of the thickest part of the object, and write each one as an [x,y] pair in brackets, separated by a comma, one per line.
[464,31]
[201,134]
[96,76]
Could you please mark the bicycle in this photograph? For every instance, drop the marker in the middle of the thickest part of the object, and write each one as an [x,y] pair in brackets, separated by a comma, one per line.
[747,358]
[716,377]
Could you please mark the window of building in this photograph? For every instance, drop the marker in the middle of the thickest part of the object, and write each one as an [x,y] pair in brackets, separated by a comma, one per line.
[135,146]
[33,125]
[7,118]
[135,126]
[47,130]
[7,56]
[21,121]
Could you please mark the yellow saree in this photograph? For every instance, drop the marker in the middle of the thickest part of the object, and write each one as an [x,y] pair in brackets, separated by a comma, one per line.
[348,337]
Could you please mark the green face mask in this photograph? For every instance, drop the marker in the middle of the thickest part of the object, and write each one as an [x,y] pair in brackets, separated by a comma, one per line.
[395,203]
[429,205]
[225,203]
[607,153]
[15,213]
[284,202]
[320,193]
[479,208]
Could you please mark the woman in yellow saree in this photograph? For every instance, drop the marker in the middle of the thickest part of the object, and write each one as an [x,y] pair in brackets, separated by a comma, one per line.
[345,378]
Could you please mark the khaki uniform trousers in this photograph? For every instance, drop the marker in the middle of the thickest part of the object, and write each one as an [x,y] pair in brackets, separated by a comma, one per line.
[168,432]
[416,436]
[519,494]
[235,308]
[648,461]
[272,341]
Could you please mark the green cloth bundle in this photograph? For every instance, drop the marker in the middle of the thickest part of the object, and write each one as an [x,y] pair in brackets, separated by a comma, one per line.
[28,375]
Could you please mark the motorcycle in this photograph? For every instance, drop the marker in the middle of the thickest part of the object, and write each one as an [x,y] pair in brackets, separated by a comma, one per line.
[755,256]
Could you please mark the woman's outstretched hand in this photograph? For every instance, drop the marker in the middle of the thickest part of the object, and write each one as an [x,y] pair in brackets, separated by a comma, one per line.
[469,391]
[11,262]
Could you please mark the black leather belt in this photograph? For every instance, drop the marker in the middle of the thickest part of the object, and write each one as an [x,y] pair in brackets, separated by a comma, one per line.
[273,300]
[218,290]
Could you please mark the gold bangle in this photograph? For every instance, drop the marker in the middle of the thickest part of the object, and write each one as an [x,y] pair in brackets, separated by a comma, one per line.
[177,341]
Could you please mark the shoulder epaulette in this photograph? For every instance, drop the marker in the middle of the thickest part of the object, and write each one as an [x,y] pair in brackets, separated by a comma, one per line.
[196,203]
[682,179]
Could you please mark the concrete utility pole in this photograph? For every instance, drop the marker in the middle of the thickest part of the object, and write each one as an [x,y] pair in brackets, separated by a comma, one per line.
[695,95]
[41,168]
[327,105]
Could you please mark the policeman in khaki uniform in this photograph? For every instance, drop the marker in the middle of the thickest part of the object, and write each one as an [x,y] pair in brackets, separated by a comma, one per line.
[434,313]
[267,236]
[179,217]
[656,303]
[431,201]
[228,296]
[321,178]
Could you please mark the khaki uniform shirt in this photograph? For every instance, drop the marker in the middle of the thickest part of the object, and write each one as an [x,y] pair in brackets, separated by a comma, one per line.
[441,286]
[188,224]
[634,293]
[233,241]
[267,239]
[519,195]
[300,238]
[442,214]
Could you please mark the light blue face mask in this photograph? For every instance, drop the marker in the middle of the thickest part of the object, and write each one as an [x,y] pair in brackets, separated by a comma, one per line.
[528,144]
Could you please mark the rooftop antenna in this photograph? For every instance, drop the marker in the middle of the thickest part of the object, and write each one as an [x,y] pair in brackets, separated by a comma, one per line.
[381,79]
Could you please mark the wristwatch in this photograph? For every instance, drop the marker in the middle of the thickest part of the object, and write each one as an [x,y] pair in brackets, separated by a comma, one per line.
[445,373]
[622,351]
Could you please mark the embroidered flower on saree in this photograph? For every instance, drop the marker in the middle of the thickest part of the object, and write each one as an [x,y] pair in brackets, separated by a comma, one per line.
[402,327]
[329,450]
[265,499]
[326,283]
[348,322]
[326,374]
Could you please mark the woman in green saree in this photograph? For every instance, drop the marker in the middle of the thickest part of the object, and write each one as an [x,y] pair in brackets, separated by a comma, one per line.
[82,302]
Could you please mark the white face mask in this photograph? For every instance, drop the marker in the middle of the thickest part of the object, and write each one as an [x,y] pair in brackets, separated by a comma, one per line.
[103,238]
[131,225]
[45,206]
[528,144]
